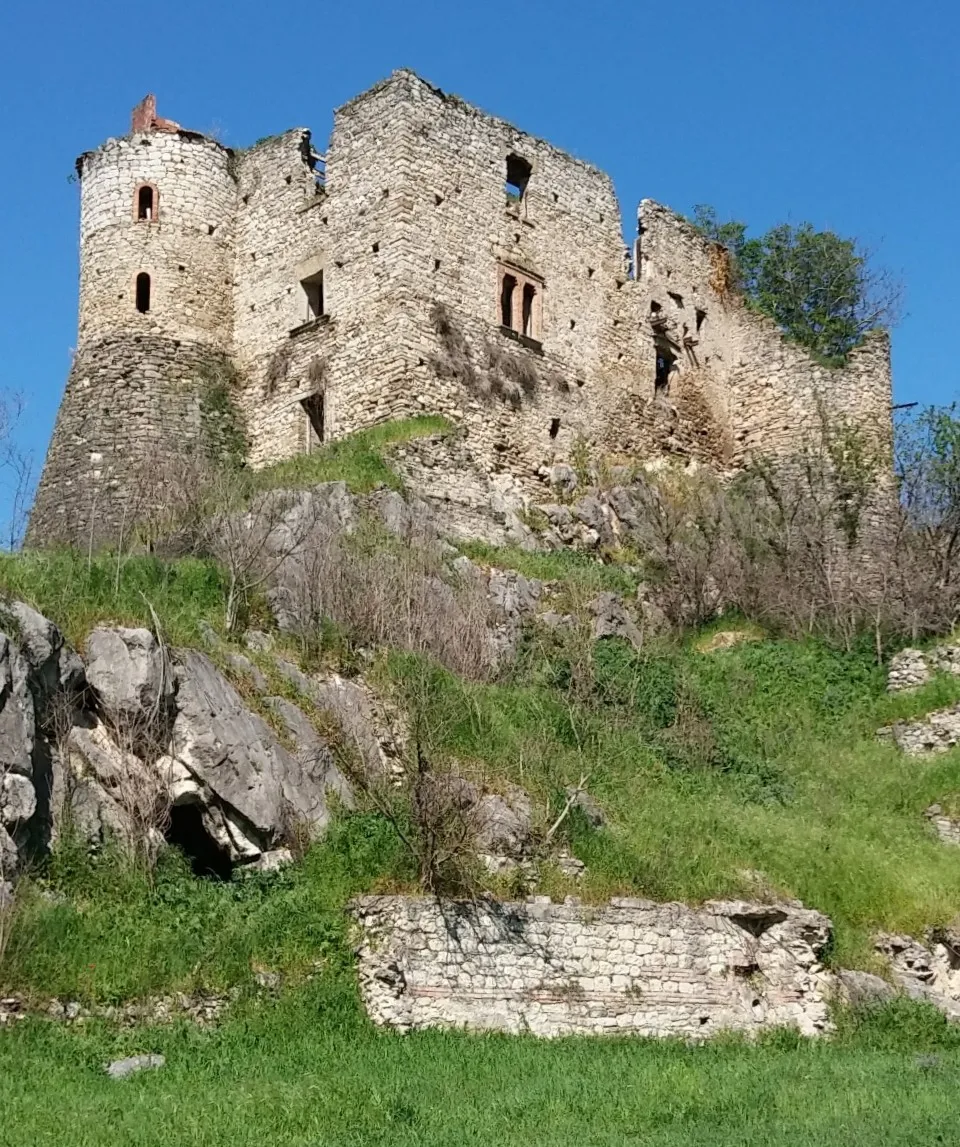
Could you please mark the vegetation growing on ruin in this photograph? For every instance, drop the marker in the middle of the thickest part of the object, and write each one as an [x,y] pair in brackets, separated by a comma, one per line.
[358,459]
[823,290]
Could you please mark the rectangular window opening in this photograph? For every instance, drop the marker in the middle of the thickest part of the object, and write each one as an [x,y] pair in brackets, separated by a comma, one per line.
[312,288]
[665,362]
[518,175]
[507,290]
[529,294]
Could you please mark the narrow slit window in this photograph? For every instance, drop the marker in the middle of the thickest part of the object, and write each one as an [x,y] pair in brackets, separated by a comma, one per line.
[507,291]
[314,302]
[554,427]
[143,292]
[314,409]
[146,203]
[529,294]
[664,365]
[518,176]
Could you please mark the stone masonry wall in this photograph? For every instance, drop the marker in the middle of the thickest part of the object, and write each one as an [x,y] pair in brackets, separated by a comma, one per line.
[412,228]
[557,969]
[132,408]
[186,247]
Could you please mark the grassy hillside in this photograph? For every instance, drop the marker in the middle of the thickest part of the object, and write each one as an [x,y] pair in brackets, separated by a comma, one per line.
[751,770]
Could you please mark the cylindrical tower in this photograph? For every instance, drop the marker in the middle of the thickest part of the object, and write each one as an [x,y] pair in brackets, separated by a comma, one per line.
[157,211]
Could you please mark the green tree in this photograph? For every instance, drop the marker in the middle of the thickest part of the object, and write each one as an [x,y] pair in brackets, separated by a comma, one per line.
[821,289]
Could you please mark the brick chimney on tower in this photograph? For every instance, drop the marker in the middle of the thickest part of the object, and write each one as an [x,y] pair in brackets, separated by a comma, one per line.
[145,118]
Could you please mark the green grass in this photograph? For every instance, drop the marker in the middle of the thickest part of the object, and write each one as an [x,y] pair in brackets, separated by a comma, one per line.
[79,593]
[575,570]
[101,932]
[760,759]
[310,1070]
[357,459]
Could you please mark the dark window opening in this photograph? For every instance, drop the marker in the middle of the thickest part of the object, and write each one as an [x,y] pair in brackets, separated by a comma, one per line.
[573,324]
[143,292]
[529,294]
[554,427]
[314,407]
[436,264]
[665,362]
[376,248]
[507,290]
[701,315]
[655,307]
[678,299]
[518,176]
[590,272]
[313,293]
[437,200]
[186,831]
[145,204]
[211,227]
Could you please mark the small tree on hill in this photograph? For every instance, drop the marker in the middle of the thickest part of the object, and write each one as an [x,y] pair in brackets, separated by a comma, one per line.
[820,288]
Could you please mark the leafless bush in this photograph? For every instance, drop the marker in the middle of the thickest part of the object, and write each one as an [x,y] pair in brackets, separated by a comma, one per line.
[384,594]
[816,545]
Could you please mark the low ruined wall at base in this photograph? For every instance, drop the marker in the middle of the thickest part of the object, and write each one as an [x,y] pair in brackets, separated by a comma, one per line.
[628,967]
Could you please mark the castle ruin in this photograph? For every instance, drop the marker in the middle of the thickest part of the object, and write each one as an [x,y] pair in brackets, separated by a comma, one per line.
[433,259]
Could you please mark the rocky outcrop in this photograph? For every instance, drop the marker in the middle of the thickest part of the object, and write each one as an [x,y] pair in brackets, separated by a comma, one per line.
[629,967]
[123,744]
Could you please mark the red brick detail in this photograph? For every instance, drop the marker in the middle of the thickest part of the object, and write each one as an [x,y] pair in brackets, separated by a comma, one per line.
[144,117]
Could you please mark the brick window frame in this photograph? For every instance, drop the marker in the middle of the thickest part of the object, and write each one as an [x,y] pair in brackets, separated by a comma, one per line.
[154,215]
[521,294]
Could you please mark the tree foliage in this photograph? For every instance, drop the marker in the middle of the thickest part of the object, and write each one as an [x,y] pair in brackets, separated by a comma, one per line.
[820,288]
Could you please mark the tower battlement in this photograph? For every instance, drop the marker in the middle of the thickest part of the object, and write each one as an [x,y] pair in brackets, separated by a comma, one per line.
[434,258]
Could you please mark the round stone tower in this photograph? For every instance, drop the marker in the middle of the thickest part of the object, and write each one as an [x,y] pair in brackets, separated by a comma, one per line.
[157,211]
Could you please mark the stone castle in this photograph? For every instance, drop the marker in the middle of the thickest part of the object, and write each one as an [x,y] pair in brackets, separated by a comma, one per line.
[434,259]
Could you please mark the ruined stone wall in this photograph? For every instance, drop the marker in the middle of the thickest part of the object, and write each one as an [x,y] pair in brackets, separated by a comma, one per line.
[131,410]
[556,969]
[564,233]
[281,232]
[186,247]
[761,389]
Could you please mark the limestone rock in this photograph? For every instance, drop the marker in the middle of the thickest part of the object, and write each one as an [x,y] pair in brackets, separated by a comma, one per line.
[611,619]
[588,805]
[121,1068]
[18,800]
[237,758]
[53,664]
[17,713]
[133,681]
[362,724]
[858,989]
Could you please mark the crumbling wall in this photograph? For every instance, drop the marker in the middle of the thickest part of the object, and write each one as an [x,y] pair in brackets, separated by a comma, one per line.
[763,391]
[556,969]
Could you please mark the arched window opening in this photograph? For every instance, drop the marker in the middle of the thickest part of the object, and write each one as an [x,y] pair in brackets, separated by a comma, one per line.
[143,292]
[529,294]
[507,290]
[146,203]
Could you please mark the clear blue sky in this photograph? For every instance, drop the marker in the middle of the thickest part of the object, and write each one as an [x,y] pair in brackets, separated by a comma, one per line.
[843,112]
